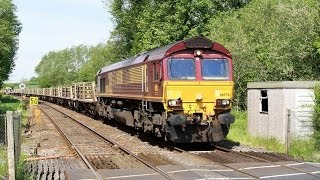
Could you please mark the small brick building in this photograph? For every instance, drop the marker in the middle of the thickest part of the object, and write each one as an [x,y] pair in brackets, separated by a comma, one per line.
[279,109]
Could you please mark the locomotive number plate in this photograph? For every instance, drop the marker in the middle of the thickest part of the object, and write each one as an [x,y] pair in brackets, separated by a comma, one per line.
[222,94]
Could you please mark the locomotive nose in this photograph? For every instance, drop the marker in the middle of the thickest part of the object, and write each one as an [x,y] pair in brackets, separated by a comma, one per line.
[205,99]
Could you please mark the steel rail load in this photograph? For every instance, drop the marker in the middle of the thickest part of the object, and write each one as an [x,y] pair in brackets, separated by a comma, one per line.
[181,92]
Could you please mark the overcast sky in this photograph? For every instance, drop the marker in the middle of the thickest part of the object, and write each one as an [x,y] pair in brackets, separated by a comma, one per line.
[54,25]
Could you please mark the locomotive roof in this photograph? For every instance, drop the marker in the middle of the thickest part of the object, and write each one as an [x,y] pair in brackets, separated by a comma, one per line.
[161,52]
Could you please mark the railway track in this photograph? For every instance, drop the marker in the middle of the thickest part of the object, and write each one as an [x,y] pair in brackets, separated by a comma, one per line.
[232,164]
[96,151]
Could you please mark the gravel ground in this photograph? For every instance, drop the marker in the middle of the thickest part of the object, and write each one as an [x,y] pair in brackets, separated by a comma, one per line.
[243,148]
[42,132]
[136,145]
[88,143]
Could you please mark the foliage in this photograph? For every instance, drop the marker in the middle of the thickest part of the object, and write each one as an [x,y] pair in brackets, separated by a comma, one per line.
[10,28]
[75,64]
[21,174]
[8,103]
[304,149]
[32,82]
[270,40]
[146,24]
[316,116]
[99,56]
[3,162]
[60,67]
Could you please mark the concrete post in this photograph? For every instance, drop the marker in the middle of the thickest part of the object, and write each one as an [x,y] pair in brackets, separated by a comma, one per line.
[10,136]
[288,131]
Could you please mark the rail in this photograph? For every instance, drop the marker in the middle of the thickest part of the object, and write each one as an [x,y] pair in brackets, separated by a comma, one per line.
[84,159]
[164,174]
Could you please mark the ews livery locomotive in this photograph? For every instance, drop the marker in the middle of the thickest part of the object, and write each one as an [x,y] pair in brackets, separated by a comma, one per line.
[181,91]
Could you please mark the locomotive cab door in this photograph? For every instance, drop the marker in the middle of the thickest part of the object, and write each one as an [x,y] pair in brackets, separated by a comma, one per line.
[154,78]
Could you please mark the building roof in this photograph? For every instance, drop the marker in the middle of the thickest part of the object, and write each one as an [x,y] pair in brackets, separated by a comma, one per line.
[282,85]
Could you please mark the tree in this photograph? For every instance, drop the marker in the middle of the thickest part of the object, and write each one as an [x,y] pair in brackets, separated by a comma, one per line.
[270,40]
[146,24]
[61,67]
[10,28]
[99,56]
[75,64]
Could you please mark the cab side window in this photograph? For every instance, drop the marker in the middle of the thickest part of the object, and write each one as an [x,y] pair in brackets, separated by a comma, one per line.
[102,85]
[155,71]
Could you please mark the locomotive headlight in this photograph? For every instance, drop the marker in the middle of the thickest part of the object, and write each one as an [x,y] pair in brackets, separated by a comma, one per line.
[198,53]
[175,102]
[223,102]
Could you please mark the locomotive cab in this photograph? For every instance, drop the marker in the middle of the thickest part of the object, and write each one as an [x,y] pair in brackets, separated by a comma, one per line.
[198,90]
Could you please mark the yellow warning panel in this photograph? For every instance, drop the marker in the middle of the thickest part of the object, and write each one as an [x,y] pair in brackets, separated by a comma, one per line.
[34,101]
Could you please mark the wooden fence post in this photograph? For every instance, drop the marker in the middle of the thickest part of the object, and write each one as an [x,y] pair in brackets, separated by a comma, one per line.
[10,136]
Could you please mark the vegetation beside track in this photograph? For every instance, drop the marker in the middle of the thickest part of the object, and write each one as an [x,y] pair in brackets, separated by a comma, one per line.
[10,28]
[301,149]
[8,103]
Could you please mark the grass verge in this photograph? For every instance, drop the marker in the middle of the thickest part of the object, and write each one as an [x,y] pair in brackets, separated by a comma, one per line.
[303,149]
[8,103]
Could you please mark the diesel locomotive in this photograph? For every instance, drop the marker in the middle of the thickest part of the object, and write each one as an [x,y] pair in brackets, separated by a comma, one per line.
[181,92]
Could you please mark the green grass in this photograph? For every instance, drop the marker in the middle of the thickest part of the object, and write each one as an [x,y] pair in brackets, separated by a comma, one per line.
[3,162]
[8,103]
[303,149]
[4,166]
